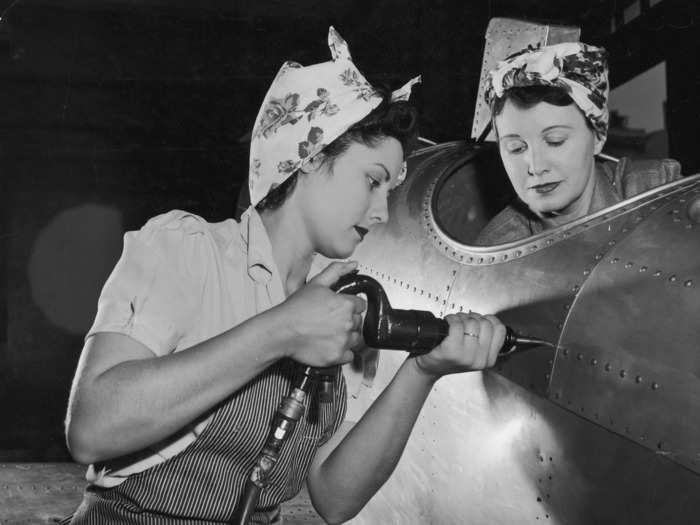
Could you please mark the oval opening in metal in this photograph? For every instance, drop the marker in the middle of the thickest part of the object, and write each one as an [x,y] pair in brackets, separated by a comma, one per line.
[469,194]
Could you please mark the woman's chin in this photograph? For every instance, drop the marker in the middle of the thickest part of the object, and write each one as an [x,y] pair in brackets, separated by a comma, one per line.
[548,206]
[337,252]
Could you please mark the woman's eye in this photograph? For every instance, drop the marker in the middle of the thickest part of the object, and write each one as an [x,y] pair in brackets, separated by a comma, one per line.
[555,142]
[373,183]
[515,148]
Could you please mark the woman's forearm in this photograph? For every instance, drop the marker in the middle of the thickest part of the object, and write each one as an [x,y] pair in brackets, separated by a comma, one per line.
[368,454]
[138,402]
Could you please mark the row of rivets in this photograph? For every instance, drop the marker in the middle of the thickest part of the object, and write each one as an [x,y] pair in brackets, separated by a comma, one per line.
[673,278]
[575,289]
[401,283]
[676,212]
[534,247]
[608,367]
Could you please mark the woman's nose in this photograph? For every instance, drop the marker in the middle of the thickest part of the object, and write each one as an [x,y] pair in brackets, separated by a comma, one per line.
[379,212]
[536,161]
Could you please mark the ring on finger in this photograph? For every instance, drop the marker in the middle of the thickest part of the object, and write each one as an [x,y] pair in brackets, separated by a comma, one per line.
[472,328]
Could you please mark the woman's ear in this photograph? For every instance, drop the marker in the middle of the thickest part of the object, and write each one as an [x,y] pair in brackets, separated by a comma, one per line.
[313,164]
[598,144]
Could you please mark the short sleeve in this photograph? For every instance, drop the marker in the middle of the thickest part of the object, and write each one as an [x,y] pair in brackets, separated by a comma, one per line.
[153,291]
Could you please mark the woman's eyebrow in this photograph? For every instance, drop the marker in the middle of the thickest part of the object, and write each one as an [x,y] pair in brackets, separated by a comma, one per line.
[387,177]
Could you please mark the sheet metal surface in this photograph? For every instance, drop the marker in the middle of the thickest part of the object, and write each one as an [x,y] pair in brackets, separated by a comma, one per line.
[530,442]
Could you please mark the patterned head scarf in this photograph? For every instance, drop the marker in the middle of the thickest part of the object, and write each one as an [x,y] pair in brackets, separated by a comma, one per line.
[579,69]
[305,109]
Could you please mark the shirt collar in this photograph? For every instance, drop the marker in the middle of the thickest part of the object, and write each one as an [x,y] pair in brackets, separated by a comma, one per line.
[260,263]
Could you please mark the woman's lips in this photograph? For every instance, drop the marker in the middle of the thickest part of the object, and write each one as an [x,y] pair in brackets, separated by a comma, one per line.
[543,189]
[361,231]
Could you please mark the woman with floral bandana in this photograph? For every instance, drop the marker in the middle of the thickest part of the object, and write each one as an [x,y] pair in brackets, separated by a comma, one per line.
[201,327]
[549,111]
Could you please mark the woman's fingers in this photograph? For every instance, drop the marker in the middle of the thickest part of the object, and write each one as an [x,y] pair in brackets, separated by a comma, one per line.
[357,322]
[471,326]
[498,338]
[482,338]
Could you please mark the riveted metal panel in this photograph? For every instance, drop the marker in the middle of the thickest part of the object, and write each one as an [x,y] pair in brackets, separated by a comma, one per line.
[507,447]
[632,337]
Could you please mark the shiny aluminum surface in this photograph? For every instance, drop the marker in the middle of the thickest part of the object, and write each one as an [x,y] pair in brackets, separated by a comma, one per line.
[550,436]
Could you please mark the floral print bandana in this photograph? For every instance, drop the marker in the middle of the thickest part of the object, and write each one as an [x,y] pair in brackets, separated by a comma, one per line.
[579,69]
[305,109]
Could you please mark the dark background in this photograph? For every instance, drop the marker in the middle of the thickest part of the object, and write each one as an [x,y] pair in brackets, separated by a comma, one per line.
[114,111]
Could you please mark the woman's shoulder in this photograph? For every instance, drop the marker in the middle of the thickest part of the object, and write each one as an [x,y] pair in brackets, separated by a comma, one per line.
[180,235]
[180,223]
[176,220]
[635,176]
[510,224]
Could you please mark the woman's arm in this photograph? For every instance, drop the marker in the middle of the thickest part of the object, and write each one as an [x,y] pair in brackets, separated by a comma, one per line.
[124,398]
[353,465]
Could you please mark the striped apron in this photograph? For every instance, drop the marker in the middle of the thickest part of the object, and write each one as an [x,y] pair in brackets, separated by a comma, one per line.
[203,483]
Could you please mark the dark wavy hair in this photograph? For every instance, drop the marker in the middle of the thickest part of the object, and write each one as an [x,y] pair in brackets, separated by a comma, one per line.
[526,97]
[390,119]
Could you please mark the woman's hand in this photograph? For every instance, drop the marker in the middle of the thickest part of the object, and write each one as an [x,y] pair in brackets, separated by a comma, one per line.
[323,325]
[472,343]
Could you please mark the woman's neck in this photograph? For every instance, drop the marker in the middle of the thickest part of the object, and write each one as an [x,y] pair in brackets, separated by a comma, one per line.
[291,250]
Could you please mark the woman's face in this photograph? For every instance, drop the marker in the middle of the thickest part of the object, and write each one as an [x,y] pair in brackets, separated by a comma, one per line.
[342,200]
[548,151]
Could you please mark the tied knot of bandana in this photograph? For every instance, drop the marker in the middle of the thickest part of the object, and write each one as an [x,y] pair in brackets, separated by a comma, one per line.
[579,69]
[305,109]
